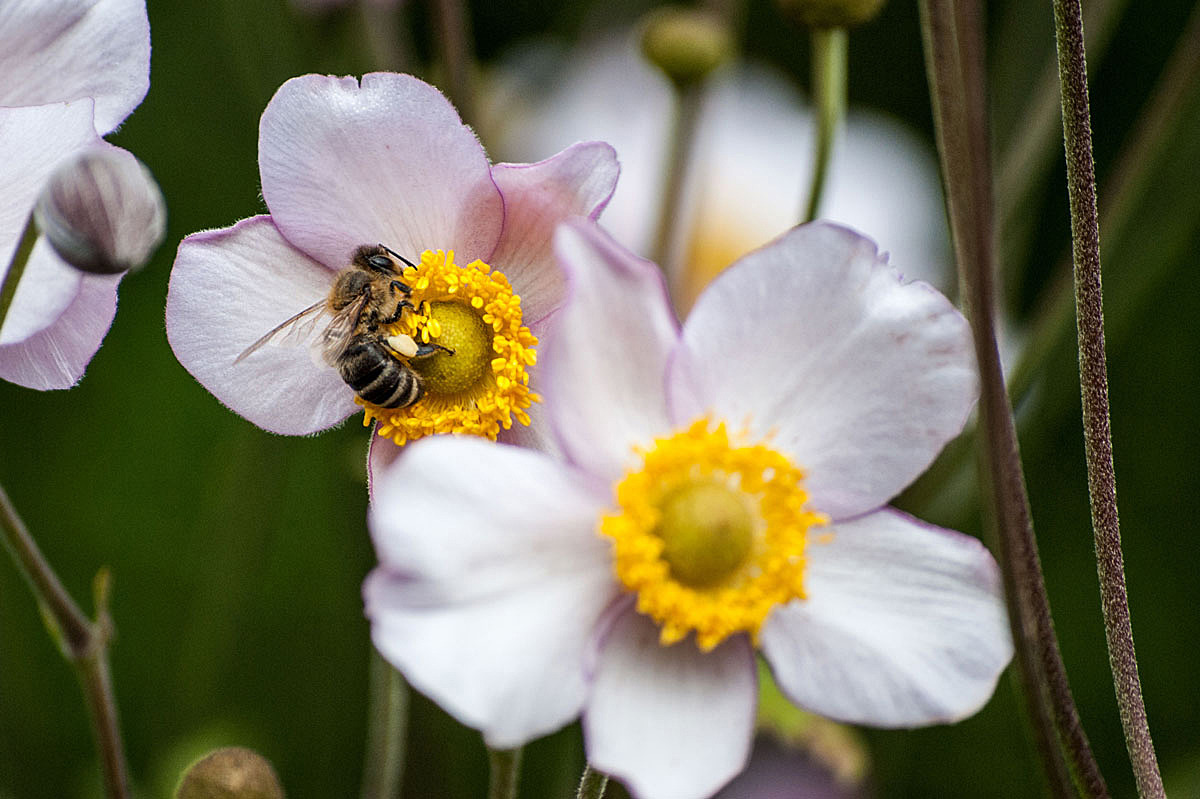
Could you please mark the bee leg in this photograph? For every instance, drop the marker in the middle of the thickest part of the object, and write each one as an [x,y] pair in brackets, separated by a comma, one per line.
[400,306]
[399,286]
[425,350]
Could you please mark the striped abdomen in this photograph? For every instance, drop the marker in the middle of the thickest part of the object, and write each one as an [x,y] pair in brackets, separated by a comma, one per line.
[376,376]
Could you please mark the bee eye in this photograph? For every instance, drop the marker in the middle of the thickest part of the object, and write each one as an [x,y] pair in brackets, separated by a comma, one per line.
[382,263]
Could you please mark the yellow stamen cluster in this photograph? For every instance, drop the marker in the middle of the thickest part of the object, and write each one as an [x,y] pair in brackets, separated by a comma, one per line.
[771,571]
[501,394]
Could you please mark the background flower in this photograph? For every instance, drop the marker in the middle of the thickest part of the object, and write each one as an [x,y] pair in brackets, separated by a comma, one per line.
[496,596]
[753,156]
[70,72]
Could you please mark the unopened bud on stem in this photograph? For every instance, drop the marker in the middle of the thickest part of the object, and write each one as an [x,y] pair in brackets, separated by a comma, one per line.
[230,773]
[830,13]
[102,211]
[685,43]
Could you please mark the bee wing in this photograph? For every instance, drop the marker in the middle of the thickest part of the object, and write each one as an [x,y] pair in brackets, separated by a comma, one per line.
[298,326]
[337,334]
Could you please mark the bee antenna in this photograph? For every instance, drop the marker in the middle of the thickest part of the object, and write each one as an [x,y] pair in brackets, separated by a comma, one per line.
[395,254]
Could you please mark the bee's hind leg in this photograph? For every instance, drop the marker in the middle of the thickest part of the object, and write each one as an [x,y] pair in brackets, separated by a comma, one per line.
[425,350]
[409,348]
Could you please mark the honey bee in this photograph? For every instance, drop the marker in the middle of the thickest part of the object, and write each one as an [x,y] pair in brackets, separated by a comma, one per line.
[366,296]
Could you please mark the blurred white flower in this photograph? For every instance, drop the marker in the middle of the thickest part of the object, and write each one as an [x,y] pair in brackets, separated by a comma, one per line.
[752,162]
[70,72]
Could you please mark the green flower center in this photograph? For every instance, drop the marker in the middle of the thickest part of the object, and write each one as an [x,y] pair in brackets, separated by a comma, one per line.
[707,531]
[466,361]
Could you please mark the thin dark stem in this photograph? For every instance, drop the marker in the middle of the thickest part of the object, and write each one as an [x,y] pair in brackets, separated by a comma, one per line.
[504,773]
[1093,374]
[954,51]
[592,783]
[454,34]
[83,642]
[829,60]
[8,288]
[387,728]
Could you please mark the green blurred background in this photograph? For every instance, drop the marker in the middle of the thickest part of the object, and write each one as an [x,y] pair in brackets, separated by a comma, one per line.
[237,555]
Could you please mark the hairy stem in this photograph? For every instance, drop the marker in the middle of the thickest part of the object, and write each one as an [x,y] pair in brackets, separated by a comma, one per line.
[954,52]
[1093,374]
[83,642]
[592,783]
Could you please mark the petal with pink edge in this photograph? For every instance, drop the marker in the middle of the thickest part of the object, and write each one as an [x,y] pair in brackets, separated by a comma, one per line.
[669,721]
[387,161]
[904,625]
[228,288]
[579,181]
[56,50]
[605,358]
[813,339]
[490,582]
[56,356]
[34,141]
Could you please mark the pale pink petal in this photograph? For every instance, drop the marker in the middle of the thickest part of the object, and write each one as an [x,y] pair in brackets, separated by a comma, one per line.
[669,721]
[56,50]
[904,625]
[490,582]
[577,182]
[815,342]
[48,287]
[230,287]
[386,162]
[34,141]
[604,361]
[56,356]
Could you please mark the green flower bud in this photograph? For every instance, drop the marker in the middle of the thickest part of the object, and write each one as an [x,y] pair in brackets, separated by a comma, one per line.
[102,211]
[686,43]
[230,773]
[830,13]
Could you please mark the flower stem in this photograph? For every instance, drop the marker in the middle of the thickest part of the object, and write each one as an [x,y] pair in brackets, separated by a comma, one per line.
[381,29]
[667,251]
[954,56]
[1093,374]
[16,269]
[83,642]
[592,783]
[454,35]
[829,60]
[387,728]
[504,773]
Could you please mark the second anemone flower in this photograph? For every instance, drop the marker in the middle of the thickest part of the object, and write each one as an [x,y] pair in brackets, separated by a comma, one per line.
[456,277]
[725,493]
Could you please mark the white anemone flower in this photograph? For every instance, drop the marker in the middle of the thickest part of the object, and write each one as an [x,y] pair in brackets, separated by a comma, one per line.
[384,161]
[752,161]
[724,492]
[71,71]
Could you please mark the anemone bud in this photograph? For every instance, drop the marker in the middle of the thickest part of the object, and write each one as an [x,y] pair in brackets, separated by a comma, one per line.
[830,13]
[102,211]
[230,773]
[685,43]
